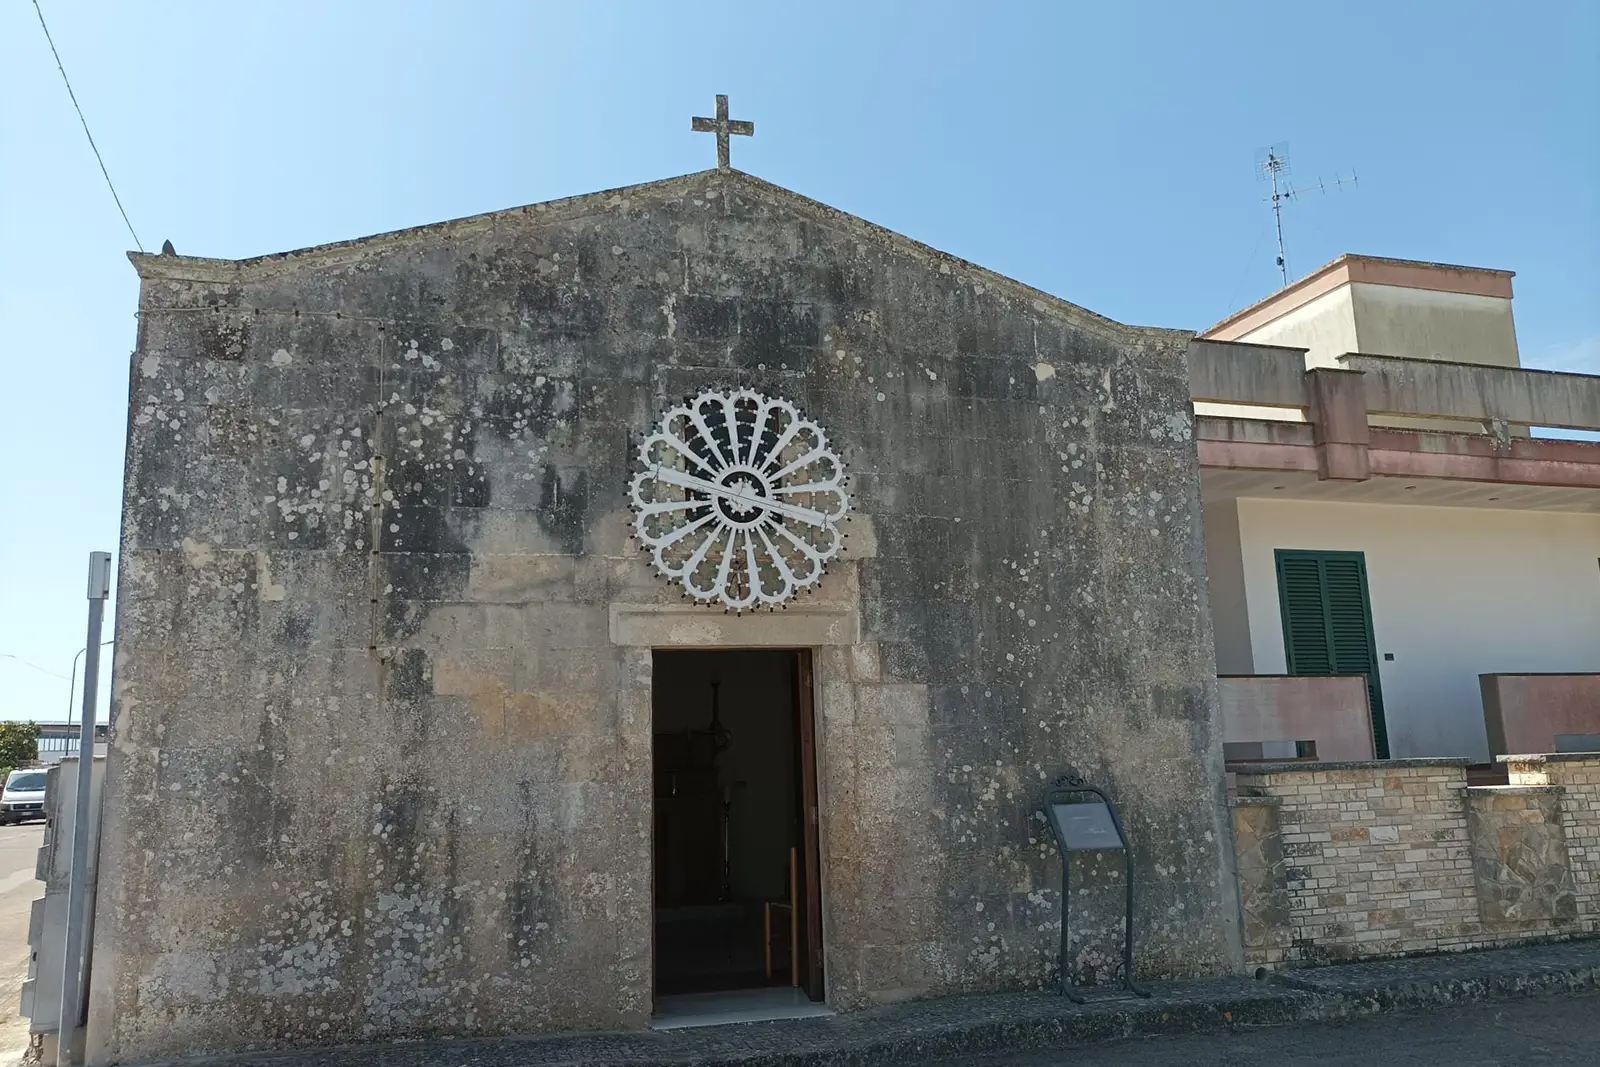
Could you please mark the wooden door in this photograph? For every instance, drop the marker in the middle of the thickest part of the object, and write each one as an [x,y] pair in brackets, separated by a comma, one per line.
[810,852]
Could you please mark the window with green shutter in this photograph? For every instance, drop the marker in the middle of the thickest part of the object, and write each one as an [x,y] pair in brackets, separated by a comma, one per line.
[1327,622]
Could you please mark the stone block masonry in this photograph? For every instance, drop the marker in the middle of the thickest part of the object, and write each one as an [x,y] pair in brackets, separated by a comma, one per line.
[1521,866]
[1371,859]
[1577,776]
[381,753]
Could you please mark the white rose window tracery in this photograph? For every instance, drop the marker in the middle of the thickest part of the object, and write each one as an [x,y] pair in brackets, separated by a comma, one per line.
[738,499]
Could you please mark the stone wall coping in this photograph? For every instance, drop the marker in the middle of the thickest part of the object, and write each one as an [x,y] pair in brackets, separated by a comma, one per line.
[1551,757]
[1539,674]
[1514,790]
[1350,765]
[1296,677]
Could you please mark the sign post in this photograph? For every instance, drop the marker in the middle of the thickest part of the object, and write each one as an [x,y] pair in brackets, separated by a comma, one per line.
[73,985]
[1085,825]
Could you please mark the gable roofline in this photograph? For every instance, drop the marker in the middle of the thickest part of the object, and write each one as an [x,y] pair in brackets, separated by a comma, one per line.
[1351,269]
[211,268]
[157,267]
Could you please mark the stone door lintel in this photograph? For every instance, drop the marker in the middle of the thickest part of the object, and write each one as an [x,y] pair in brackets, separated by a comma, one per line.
[693,626]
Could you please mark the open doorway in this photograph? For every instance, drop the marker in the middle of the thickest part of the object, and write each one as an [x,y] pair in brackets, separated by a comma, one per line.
[737,896]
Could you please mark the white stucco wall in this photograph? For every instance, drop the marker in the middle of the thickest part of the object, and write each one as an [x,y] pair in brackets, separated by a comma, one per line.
[1225,588]
[1392,320]
[1325,327]
[1426,324]
[1388,320]
[1455,592]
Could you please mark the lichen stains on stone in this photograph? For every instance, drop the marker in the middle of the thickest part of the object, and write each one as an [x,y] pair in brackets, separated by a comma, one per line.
[563,507]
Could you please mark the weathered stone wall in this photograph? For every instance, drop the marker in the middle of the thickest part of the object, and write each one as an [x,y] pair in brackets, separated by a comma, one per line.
[1577,775]
[1368,859]
[381,752]
[1521,869]
[1263,887]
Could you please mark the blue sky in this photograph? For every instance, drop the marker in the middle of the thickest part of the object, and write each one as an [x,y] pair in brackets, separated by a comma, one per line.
[1102,152]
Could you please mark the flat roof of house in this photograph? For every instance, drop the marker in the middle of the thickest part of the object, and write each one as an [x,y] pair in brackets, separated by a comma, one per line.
[1369,270]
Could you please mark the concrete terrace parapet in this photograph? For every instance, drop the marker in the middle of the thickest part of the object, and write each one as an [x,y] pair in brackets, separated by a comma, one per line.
[1329,711]
[1272,376]
[1541,712]
[1379,858]
[1260,407]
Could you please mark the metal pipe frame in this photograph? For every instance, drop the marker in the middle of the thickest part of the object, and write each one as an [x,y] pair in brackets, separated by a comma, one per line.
[1064,787]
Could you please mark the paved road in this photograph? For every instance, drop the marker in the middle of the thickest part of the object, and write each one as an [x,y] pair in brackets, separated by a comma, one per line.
[19,849]
[1541,1032]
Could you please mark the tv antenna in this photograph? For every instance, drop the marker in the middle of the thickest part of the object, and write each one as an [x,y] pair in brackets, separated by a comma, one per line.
[1272,164]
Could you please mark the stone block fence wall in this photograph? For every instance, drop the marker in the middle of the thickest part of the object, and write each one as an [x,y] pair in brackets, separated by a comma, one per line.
[1369,859]
[1577,775]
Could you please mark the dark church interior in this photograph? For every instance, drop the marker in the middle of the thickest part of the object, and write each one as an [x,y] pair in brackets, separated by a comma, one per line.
[729,851]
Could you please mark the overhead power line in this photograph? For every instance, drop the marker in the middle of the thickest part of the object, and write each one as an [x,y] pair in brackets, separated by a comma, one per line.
[35,666]
[136,242]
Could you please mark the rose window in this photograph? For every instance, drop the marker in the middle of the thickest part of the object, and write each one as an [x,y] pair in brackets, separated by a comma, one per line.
[738,499]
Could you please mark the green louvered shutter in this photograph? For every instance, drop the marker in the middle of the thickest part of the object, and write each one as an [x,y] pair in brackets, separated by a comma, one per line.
[1305,624]
[1327,622]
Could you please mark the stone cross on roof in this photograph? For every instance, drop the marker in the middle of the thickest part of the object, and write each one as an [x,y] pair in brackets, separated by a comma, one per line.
[722,126]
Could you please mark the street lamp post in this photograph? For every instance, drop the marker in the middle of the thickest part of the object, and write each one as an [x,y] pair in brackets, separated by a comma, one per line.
[72,968]
[72,681]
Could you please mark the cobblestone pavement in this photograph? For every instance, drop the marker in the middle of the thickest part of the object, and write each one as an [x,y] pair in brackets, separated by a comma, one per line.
[1539,1032]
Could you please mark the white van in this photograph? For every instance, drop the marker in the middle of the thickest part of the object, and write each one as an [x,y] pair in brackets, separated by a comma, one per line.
[23,797]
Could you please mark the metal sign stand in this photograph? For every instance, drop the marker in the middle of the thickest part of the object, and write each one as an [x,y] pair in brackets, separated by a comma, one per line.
[1088,826]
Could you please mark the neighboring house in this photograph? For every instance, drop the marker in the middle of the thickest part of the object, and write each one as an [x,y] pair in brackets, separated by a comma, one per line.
[1371,479]
[57,740]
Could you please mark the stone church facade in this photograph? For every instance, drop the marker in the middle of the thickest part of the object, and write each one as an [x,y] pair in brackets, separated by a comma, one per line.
[381,761]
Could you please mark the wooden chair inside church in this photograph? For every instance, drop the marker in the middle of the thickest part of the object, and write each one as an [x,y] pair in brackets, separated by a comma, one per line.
[790,908]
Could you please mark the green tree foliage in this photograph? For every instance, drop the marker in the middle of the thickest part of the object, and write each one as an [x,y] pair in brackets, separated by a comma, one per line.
[19,743]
